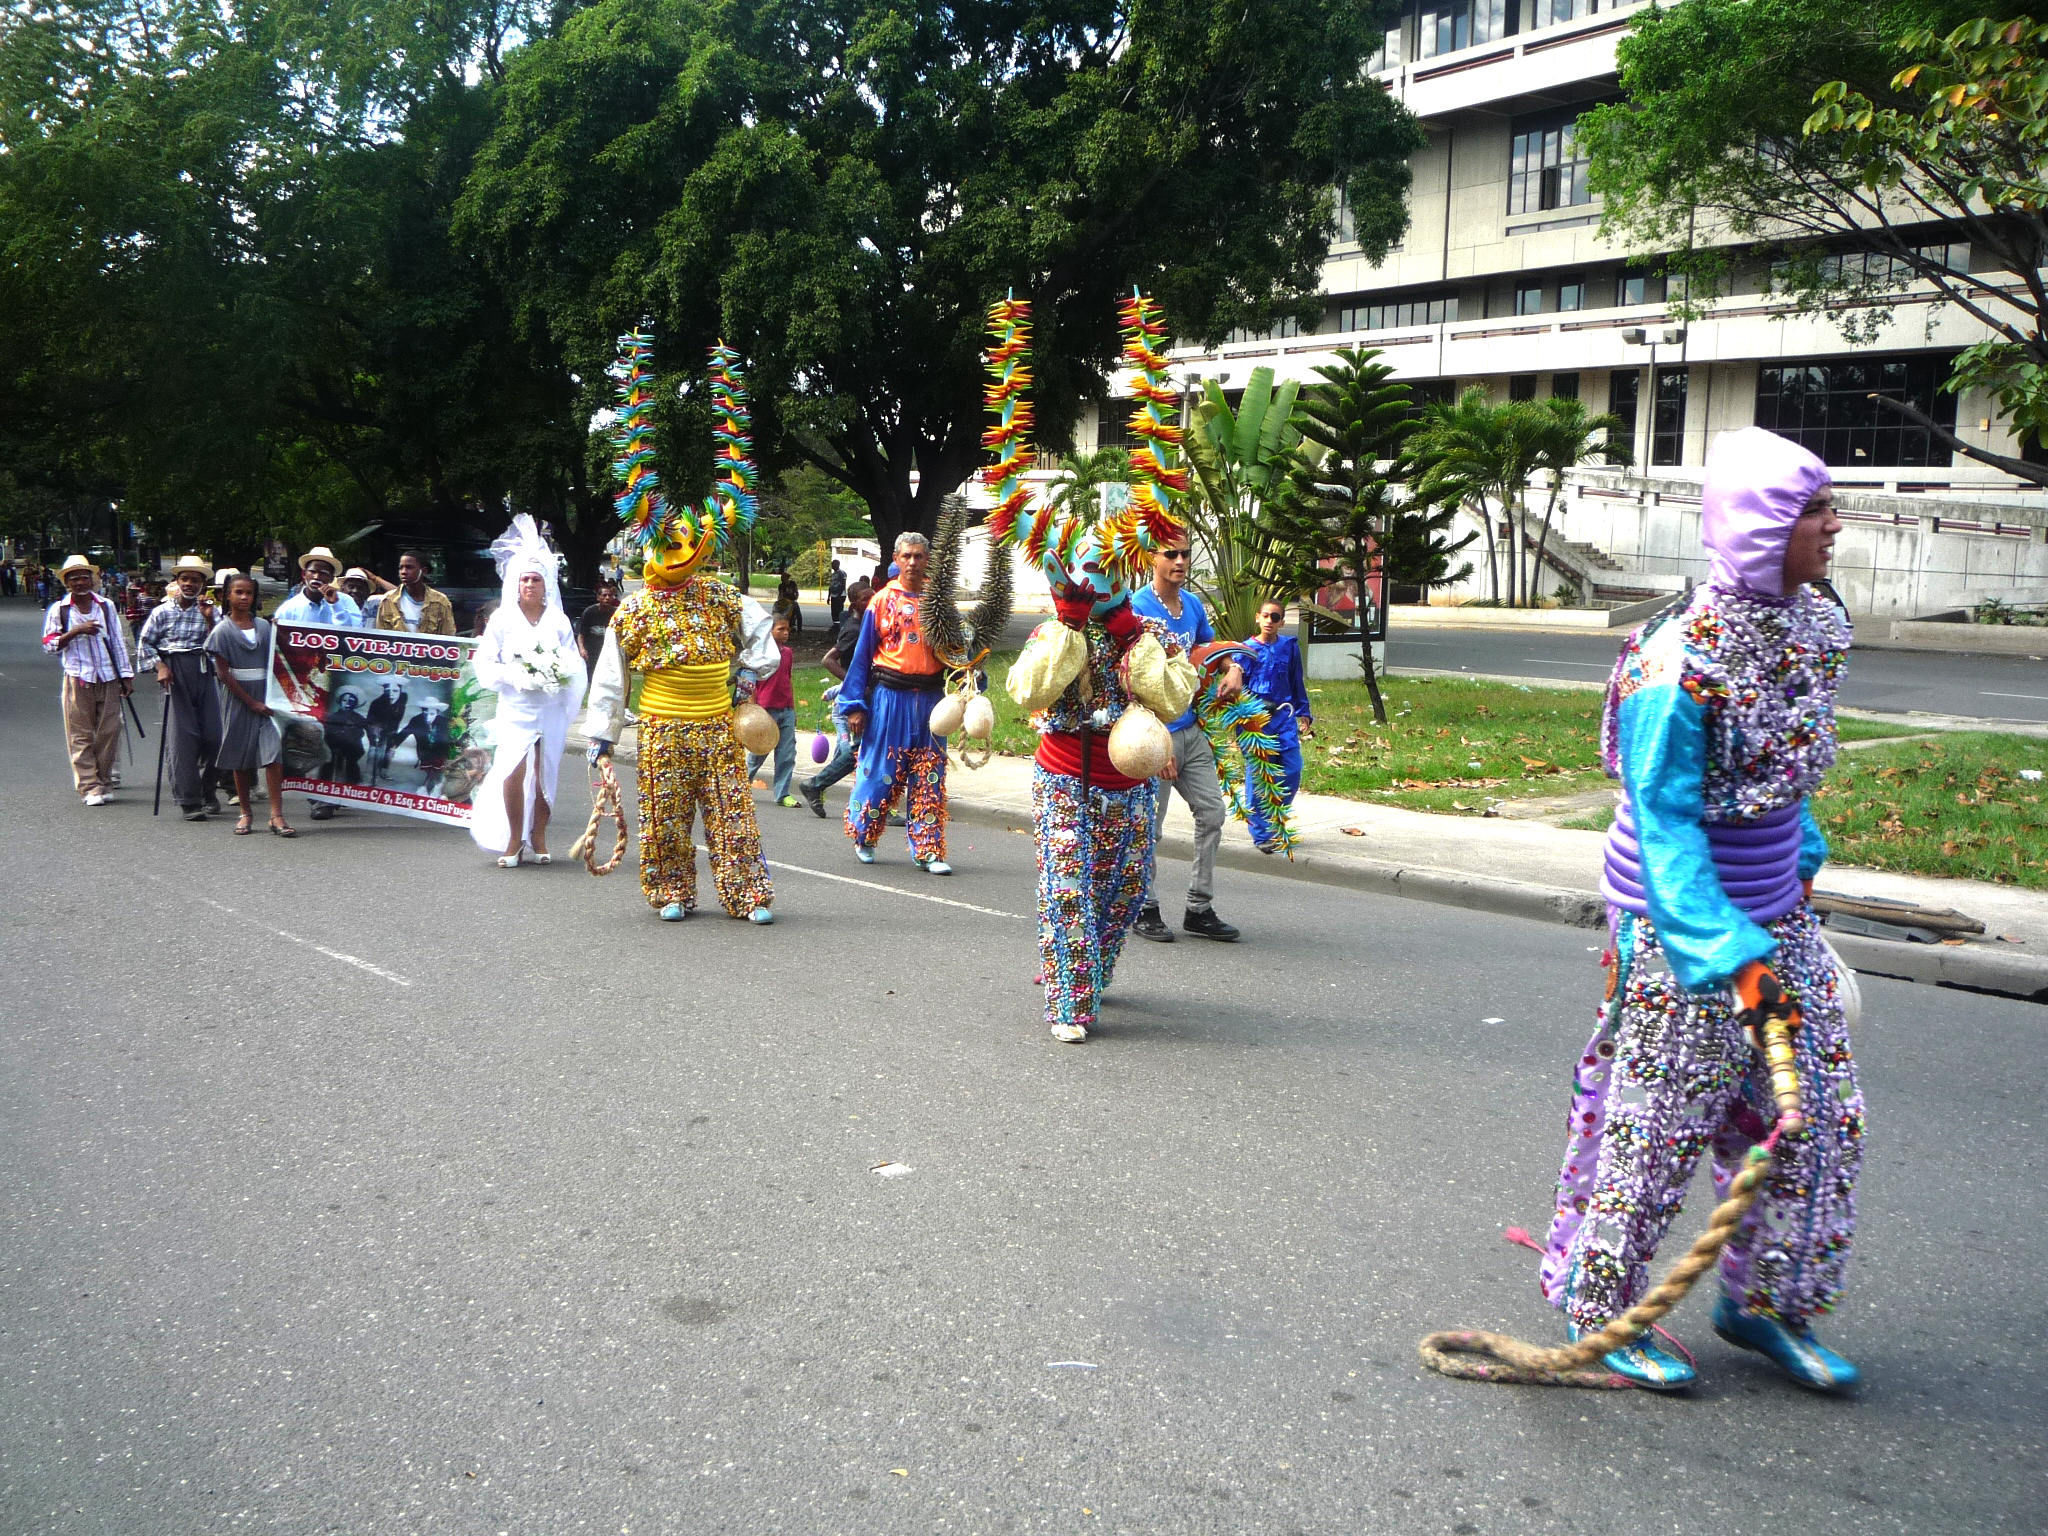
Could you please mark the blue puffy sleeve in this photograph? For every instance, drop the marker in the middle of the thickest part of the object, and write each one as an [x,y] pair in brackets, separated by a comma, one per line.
[853,690]
[1813,843]
[1663,756]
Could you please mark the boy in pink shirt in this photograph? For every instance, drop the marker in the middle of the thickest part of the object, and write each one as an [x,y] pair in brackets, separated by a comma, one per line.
[776,694]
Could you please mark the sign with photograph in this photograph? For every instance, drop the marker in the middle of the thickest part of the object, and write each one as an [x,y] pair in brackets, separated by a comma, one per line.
[385,719]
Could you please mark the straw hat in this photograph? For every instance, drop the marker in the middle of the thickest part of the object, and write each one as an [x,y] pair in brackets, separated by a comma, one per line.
[321,553]
[194,564]
[221,576]
[356,573]
[77,563]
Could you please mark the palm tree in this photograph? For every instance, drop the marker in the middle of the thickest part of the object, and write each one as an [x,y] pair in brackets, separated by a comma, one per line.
[1479,454]
[1079,492]
[1567,442]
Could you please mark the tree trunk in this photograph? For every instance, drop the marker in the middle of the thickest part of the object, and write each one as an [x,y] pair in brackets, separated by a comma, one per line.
[1492,551]
[1361,568]
[1543,539]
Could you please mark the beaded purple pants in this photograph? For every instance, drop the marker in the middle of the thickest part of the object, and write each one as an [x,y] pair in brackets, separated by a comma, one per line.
[1670,1074]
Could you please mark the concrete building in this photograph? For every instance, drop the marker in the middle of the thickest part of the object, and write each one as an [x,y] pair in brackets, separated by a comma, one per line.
[1503,281]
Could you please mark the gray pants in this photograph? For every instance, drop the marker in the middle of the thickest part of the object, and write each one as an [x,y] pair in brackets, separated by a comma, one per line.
[1197,784]
[194,727]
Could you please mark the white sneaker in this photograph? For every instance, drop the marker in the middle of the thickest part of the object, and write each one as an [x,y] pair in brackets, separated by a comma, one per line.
[95,798]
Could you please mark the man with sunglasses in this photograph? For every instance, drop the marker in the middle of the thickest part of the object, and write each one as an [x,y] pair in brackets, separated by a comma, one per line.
[1192,769]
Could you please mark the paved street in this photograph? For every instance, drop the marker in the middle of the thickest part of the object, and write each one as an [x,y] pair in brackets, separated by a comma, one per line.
[352,1185]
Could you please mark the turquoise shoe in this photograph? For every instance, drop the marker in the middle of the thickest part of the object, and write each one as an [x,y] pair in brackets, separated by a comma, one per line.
[761,915]
[674,912]
[1799,1355]
[1649,1366]
[865,855]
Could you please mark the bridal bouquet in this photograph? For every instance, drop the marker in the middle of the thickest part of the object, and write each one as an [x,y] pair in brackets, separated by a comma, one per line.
[540,668]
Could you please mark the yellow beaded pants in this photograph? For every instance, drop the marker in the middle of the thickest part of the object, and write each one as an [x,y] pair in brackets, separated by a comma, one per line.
[687,767]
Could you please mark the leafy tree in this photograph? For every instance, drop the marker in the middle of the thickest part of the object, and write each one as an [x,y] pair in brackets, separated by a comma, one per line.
[1718,158]
[1341,503]
[1241,459]
[1970,147]
[805,507]
[838,187]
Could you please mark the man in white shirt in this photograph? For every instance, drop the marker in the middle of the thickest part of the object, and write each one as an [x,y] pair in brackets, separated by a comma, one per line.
[84,632]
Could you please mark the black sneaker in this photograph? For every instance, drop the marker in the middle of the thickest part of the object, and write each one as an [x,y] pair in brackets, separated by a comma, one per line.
[194,812]
[322,811]
[1150,925]
[814,797]
[1205,924]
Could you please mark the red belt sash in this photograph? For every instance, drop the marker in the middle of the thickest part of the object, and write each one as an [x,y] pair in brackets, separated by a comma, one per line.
[1060,752]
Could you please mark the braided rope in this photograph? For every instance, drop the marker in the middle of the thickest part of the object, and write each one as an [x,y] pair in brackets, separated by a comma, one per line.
[1473,1355]
[604,803]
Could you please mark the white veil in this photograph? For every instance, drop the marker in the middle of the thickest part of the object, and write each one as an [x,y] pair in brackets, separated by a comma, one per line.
[520,549]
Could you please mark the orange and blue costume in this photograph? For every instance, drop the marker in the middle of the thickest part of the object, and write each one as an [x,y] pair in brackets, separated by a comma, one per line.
[896,677]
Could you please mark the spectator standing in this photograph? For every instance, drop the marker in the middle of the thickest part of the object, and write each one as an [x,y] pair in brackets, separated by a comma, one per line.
[1192,768]
[786,601]
[594,621]
[355,581]
[776,694]
[8,579]
[413,605]
[319,601]
[835,594]
[250,739]
[84,633]
[173,640]
[844,756]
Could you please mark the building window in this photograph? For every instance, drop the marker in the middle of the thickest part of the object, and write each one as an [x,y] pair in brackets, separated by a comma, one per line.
[1546,168]
[1571,293]
[1444,26]
[1564,386]
[1522,386]
[1881,269]
[1667,417]
[1528,298]
[1624,388]
[1550,12]
[1280,330]
[1826,408]
[1425,309]
[1639,287]
[1347,225]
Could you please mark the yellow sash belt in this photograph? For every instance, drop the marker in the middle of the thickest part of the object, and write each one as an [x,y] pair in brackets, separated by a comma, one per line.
[694,691]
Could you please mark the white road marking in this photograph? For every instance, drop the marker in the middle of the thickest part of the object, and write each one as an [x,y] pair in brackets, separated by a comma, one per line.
[1988,694]
[1552,661]
[897,890]
[319,949]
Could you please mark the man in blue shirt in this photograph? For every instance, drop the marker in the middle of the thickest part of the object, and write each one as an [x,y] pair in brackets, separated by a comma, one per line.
[1192,769]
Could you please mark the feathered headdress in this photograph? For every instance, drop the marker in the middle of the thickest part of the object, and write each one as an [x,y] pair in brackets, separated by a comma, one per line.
[1111,552]
[652,523]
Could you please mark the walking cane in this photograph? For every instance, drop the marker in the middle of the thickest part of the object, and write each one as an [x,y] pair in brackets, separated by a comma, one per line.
[107,646]
[163,736]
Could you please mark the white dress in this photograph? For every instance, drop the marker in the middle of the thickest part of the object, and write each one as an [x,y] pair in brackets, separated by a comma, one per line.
[528,717]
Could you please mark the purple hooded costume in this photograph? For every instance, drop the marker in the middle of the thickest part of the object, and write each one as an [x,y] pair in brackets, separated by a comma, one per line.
[1719,723]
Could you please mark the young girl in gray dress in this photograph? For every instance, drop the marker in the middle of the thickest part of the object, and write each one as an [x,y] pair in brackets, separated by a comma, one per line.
[240,647]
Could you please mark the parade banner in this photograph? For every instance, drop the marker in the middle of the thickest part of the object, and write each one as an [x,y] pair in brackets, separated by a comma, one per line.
[385,719]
